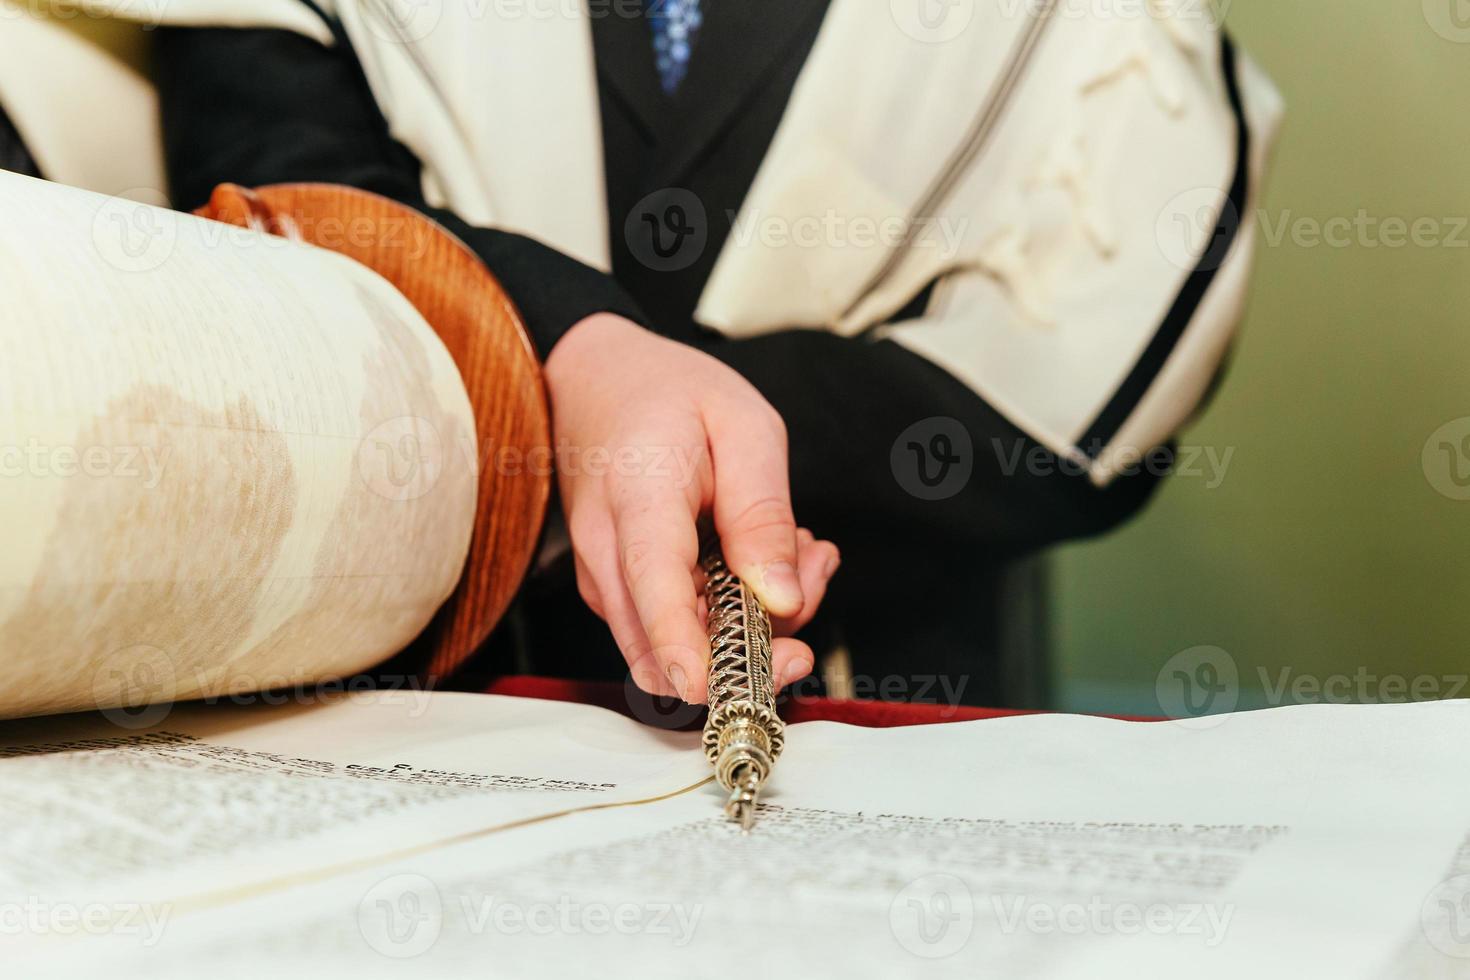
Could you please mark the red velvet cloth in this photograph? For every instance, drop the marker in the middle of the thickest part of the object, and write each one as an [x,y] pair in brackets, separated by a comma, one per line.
[868,714]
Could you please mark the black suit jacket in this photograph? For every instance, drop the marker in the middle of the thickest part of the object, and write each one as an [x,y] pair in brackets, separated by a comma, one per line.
[677,167]
[262,106]
[13,153]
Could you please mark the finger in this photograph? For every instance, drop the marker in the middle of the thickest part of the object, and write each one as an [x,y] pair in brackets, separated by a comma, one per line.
[600,583]
[627,630]
[587,587]
[752,506]
[791,660]
[816,563]
[658,546]
[594,549]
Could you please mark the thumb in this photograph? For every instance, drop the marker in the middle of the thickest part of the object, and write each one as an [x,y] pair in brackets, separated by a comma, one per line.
[752,512]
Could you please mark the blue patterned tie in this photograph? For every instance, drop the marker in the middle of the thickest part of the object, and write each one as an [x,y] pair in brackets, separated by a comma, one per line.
[674,24]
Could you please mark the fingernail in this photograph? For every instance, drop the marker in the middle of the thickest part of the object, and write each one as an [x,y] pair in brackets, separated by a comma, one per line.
[676,677]
[830,569]
[781,584]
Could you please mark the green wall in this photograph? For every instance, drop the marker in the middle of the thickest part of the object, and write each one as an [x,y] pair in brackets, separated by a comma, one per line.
[1326,549]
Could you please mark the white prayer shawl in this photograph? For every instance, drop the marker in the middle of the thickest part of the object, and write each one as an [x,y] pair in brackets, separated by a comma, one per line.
[1070,182]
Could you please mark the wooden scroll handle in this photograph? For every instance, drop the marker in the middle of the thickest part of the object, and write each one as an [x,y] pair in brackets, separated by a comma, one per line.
[475,319]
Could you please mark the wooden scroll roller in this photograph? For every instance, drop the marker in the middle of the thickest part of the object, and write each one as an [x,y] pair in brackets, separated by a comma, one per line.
[477,322]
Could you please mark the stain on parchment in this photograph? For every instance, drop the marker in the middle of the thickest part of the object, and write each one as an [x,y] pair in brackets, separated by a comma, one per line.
[177,566]
[385,564]
[183,567]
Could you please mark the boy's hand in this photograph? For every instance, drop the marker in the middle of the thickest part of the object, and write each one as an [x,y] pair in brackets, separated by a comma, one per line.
[650,434]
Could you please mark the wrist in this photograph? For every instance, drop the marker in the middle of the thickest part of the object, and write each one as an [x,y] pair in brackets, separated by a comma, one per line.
[591,336]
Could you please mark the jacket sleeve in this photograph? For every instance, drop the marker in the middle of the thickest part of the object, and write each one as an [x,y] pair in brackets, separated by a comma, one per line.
[265,106]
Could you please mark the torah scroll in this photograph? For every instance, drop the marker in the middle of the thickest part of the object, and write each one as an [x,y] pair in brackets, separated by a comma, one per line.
[228,461]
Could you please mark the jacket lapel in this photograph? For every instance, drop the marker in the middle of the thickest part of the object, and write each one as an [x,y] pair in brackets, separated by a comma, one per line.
[739,41]
[625,65]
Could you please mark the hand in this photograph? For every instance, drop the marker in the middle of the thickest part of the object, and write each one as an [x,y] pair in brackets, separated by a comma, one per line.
[652,434]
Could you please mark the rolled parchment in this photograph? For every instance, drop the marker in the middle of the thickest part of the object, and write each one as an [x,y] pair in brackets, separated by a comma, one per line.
[228,462]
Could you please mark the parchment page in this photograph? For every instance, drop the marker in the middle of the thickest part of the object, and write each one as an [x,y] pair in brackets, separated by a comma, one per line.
[227,461]
[212,799]
[1299,842]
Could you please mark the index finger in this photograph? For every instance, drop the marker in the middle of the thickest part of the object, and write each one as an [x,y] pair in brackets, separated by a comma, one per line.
[658,547]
